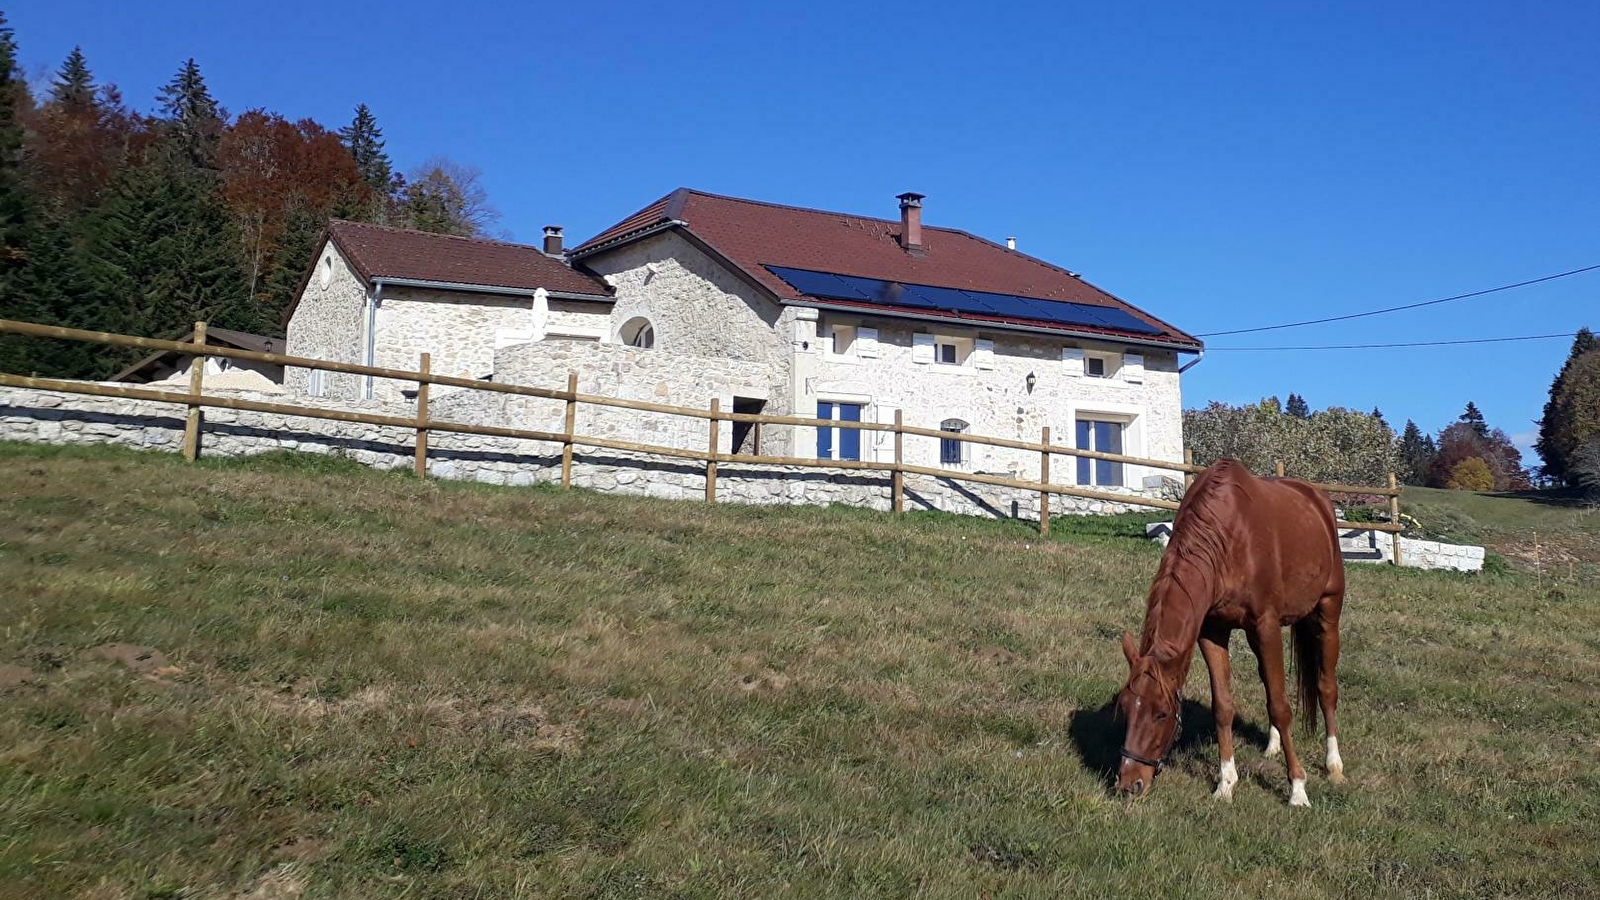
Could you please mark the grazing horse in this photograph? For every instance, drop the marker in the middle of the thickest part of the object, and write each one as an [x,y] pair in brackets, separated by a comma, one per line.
[1246,553]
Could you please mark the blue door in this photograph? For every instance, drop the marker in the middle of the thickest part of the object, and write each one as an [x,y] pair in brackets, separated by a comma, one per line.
[1105,437]
[838,443]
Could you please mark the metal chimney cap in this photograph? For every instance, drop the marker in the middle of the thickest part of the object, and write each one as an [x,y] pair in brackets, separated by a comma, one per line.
[910,198]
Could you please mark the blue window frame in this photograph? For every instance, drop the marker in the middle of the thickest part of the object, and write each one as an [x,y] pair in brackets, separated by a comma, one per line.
[950,449]
[1105,437]
[838,443]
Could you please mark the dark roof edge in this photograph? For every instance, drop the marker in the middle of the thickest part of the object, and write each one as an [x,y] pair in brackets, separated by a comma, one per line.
[1113,337]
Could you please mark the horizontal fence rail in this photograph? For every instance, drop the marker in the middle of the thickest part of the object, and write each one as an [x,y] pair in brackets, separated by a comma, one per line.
[423,424]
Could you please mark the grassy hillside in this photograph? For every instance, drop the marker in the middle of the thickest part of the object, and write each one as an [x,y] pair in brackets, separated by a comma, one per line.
[1553,533]
[291,679]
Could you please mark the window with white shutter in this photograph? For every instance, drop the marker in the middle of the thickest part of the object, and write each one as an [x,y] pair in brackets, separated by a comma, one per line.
[1072,362]
[922,349]
[1133,368]
[983,354]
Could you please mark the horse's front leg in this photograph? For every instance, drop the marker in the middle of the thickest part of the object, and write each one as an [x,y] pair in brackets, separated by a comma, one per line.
[1266,639]
[1214,648]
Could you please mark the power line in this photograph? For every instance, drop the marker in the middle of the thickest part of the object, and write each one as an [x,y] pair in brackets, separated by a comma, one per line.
[1500,340]
[1379,312]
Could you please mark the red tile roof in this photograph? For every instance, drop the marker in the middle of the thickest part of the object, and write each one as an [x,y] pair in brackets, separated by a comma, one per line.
[377,251]
[751,234]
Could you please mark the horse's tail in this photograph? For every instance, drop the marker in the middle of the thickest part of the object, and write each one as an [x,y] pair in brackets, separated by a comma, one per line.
[1307,639]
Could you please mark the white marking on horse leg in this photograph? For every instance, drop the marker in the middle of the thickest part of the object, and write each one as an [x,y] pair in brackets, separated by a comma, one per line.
[1274,742]
[1227,777]
[1335,763]
[1297,793]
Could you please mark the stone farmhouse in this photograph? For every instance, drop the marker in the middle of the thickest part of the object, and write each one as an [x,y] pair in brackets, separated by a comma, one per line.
[766,308]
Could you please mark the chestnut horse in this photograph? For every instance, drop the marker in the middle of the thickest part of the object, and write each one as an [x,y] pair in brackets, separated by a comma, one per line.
[1246,553]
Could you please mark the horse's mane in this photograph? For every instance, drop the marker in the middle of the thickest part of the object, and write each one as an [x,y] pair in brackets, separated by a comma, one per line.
[1191,569]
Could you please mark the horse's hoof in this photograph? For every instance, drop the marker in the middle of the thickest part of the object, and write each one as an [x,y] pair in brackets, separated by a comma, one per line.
[1297,794]
[1336,776]
[1225,794]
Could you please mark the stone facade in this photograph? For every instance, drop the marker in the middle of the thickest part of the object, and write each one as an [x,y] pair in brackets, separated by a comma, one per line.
[988,391]
[700,309]
[783,360]
[329,323]
[64,418]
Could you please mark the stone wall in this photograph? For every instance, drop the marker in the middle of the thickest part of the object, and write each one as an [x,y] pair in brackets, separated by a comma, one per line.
[1366,546]
[993,397]
[699,309]
[63,418]
[329,323]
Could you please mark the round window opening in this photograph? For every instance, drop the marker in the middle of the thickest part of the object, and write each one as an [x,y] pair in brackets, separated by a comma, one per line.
[638,332]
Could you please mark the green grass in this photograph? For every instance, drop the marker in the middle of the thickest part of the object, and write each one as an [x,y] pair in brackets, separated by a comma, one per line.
[375,687]
[1553,534]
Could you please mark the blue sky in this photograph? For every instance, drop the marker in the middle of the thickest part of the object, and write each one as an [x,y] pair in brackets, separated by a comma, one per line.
[1222,166]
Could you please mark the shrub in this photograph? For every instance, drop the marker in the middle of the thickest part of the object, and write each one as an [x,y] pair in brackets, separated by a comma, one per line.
[1471,474]
[1333,444]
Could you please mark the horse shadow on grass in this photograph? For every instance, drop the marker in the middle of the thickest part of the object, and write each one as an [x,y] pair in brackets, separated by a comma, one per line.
[1096,735]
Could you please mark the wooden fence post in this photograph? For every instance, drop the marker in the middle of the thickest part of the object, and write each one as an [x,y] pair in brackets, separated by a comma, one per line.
[1394,515]
[1044,478]
[572,419]
[711,464]
[1279,467]
[197,370]
[897,477]
[422,419]
[1188,477]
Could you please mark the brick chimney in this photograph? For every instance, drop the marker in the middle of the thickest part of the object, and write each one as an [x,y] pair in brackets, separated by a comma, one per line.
[552,240]
[911,221]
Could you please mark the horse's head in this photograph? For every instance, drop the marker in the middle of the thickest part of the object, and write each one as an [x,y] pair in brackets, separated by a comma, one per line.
[1150,707]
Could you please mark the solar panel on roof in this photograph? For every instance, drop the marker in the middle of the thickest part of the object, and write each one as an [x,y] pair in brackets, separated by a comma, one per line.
[830,286]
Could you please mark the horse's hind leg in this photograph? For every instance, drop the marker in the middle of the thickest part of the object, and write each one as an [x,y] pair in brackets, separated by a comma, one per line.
[1214,647]
[1267,641]
[1328,682]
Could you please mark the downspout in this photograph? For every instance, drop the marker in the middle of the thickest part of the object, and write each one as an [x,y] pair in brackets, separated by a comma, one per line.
[373,298]
[1193,362]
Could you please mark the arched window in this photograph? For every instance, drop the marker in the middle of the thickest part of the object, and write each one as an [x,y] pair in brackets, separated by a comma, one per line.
[638,332]
[951,451]
[326,276]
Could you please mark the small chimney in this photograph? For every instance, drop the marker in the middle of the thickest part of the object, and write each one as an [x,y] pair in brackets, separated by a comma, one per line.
[911,221]
[552,240]
[1011,243]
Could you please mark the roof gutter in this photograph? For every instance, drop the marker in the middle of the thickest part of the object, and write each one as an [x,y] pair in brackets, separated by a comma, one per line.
[631,236]
[1193,362]
[1003,326]
[485,289]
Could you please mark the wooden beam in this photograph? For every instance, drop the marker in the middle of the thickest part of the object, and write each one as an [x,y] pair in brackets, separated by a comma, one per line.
[1044,478]
[570,422]
[898,478]
[421,466]
[711,463]
[1394,517]
[197,372]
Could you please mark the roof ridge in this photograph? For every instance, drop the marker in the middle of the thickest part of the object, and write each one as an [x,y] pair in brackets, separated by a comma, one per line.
[394,229]
[813,209]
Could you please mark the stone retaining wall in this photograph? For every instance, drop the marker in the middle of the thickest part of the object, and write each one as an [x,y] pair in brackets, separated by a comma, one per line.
[64,418]
[1362,545]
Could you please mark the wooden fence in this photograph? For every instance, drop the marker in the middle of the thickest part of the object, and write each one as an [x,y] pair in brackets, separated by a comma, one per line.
[423,425]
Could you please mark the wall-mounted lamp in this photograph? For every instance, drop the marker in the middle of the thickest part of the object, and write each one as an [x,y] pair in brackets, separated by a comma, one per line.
[1032,380]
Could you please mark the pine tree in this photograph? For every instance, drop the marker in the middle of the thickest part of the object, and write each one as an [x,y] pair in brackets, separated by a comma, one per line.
[194,121]
[364,139]
[161,252]
[1416,452]
[1553,427]
[73,86]
[18,299]
[1298,407]
[1473,417]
